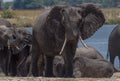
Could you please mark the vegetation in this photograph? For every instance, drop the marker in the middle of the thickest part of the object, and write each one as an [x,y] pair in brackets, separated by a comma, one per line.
[8,14]
[33,4]
[23,18]
[27,18]
[112,15]
[37,4]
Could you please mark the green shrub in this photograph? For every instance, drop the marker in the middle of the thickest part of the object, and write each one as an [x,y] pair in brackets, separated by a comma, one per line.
[8,14]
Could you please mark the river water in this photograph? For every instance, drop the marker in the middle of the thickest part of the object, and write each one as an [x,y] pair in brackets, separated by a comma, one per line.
[99,40]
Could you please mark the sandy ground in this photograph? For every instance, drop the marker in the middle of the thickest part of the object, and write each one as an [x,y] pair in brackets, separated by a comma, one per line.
[115,77]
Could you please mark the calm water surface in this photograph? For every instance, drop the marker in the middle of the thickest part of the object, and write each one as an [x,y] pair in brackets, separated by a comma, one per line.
[99,40]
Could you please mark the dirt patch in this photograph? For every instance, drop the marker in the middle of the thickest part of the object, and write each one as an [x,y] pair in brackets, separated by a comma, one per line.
[115,77]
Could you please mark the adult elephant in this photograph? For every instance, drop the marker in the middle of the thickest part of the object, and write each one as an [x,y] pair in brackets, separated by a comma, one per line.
[5,22]
[114,44]
[11,41]
[56,31]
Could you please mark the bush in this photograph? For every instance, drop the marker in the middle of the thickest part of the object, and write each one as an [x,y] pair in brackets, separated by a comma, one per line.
[8,14]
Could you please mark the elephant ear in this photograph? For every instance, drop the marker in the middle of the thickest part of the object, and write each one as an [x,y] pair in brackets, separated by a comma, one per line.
[93,19]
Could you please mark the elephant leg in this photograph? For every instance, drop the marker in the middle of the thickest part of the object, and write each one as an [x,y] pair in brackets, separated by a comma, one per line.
[34,63]
[112,58]
[13,65]
[49,66]
[36,56]
[40,65]
[68,58]
[119,61]
[68,66]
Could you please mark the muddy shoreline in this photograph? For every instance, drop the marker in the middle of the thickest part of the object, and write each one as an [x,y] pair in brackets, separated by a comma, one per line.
[115,77]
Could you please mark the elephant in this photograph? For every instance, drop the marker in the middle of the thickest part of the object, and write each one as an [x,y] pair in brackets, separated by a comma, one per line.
[19,57]
[89,52]
[5,22]
[114,44]
[92,68]
[56,32]
[12,41]
[58,66]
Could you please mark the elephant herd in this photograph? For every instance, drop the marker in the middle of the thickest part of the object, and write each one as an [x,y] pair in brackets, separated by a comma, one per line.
[51,50]
[15,44]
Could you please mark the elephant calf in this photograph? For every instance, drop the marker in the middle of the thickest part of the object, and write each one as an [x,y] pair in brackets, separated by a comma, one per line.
[58,66]
[89,52]
[88,62]
[93,68]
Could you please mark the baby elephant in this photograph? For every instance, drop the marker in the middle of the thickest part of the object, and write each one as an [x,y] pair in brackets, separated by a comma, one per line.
[93,68]
[58,63]
[58,66]
[88,62]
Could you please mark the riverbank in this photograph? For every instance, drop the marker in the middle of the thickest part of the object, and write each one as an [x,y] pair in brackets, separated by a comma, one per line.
[115,77]
[26,18]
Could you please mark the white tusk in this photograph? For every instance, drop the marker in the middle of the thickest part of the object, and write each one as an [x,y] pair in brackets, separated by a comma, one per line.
[17,47]
[63,46]
[83,42]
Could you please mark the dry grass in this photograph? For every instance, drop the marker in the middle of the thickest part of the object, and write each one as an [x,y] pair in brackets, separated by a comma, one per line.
[112,15]
[26,18]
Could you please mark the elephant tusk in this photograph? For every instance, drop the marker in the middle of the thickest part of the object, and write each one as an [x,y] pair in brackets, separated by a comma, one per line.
[63,46]
[85,45]
[17,47]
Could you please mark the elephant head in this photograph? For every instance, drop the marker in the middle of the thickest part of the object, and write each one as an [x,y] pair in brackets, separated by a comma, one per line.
[82,21]
[14,38]
[23,39]
[67,17]
[6,36]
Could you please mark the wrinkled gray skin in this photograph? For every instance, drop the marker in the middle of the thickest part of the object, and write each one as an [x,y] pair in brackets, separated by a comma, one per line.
[6,34]
[20,56]
[58,66]
[114,44]
[5,22]
[89,52]
[11,40]
[51,29]
[92,68]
